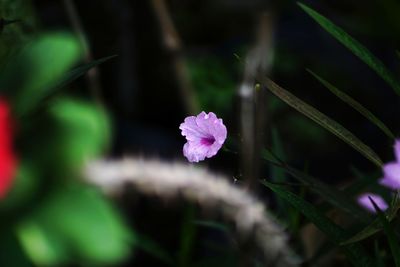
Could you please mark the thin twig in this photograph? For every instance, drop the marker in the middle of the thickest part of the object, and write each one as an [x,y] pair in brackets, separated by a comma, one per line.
[173,45]
[252,114]
[213,192]
[92,76]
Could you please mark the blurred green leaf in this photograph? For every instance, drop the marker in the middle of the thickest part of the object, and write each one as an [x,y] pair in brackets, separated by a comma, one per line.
[187,237]
[78,72]
[355,47]
[40,246]
[213,225]
[390,234]
[24,187]
[278,175]
[213,82]
[336,234]
[356,105]
[148,245]
[37,68]
[71,76]
[75,224]
[321,119]
[15,35]
[84,131]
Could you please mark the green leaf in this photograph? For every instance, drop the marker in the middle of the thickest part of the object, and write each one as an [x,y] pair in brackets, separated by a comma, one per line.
[37,68]
[355,252]
[84,131]
[212,225]
[356,105]
[391,236]
[187,237]
[75,224]
[72,75]
[355,47]
[15,35]
[278,175]
[25,185]
[78,72]
[321,119]
[333,196]
[375,226]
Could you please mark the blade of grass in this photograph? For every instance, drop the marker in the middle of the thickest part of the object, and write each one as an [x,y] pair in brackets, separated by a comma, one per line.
[394,246]
[78,72]
[354,104]
[187,238]
[355,47]
[66,79]
[333,196]
[375,226]
[354,252]
[320,118]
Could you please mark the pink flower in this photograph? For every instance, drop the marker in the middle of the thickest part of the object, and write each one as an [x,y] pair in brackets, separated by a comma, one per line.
[365,202]
[391,170]
[205,135]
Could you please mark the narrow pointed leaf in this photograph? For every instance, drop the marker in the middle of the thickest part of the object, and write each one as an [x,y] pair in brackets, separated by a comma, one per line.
[355,47]
[375,226]
[78,72]
[323,120]
[335,233]
[333,196]
[70,77]
[394,245]
[356,105]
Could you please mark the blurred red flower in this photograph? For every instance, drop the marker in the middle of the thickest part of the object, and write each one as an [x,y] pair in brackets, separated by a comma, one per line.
[8,162]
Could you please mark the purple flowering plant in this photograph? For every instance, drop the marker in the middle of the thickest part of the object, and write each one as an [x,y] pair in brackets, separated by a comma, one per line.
[365,201]
[391,170]
[205,135]
[390,179]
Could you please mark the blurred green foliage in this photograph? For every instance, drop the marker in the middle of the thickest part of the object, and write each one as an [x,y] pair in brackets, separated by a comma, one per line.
[84,131]
[15,35]
[75,224]
[51,218]
[213,82]
[39,65]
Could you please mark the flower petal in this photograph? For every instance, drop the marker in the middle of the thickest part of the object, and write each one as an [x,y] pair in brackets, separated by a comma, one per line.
[397,149]
[391,178]
[191,130]
[366,203]
[206,122]
[195,151]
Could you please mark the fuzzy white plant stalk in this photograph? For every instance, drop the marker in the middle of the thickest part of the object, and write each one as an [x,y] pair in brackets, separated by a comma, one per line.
[209,190]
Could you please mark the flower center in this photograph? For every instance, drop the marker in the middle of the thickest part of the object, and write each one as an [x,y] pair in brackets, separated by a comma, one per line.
[208,141]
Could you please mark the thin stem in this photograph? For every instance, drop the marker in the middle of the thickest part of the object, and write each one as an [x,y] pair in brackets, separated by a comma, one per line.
[173,45]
